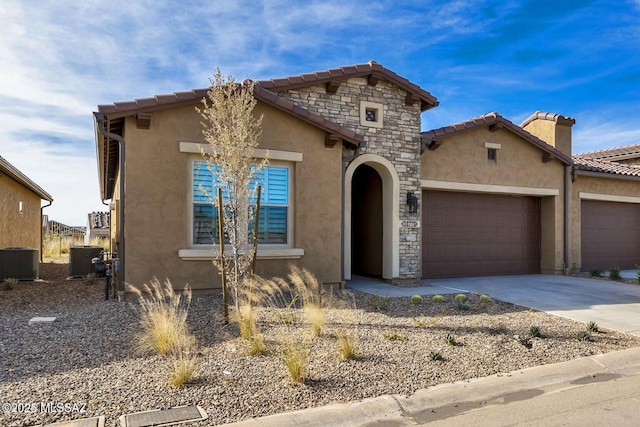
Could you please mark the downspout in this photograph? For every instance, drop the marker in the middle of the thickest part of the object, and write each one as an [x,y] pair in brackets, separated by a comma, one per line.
[345,163]
[566,218]
[99,120]
[41,234]
[110,248]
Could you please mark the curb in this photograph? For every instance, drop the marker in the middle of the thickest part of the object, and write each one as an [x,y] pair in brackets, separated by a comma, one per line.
[447,400]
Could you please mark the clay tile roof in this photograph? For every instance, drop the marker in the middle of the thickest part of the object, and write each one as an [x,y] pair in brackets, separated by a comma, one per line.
[605,166]
[371,68]
[540,115]
[490,119]
[129,108]
[611,153]
[11,171]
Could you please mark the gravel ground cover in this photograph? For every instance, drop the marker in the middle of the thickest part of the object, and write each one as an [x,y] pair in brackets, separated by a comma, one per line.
[88,355]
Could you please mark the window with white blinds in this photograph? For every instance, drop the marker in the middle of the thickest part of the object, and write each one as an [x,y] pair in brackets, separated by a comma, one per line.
[274,204]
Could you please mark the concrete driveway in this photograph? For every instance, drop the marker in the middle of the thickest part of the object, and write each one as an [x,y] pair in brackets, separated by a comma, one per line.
[611,305]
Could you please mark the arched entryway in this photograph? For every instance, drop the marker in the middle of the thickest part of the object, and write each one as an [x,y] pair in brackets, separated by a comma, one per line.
[366,222]
[375,189]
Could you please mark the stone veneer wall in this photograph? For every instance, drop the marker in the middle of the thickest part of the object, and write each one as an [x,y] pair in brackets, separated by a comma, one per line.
[398,141]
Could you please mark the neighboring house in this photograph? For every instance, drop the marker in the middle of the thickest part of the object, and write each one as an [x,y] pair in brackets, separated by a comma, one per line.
[357,188]
[605,212]
[98,224]
[20,209]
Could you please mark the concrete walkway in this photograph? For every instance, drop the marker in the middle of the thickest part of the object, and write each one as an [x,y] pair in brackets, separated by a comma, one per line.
[612,305]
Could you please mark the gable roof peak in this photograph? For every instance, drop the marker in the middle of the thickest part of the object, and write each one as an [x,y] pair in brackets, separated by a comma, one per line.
[372,67]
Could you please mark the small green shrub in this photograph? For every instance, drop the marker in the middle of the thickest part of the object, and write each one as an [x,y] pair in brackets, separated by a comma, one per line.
[379,303]
[592,327]
[460,298]
[462,304]
[435,356]
[614,273]
[449,339]
[596,272]
[584,336]
[437,298]
[484,300]
[417,299]
[90,278]
[9,283]
[393,336]
[534,331]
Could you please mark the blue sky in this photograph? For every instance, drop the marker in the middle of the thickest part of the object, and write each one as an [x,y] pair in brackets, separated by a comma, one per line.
[60,59]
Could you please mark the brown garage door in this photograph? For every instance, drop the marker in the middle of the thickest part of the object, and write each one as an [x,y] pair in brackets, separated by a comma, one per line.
[468,234]
[610,235]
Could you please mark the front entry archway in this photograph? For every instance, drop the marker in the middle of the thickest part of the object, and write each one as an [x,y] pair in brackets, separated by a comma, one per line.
[366,222]
[381,175]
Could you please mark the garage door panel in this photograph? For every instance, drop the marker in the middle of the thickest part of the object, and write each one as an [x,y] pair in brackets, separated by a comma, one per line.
[467,234]
[609,234]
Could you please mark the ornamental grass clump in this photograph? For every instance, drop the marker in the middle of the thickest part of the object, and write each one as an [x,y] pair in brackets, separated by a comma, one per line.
[348,346]
[294,356]
[9,283]
[163,319]
[183,368]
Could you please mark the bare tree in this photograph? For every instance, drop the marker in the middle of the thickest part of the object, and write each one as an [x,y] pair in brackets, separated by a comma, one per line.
[231,129]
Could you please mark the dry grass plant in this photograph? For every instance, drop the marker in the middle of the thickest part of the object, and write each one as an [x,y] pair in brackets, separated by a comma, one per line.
[348,345]
[9,283]
[163,317]
[183,367]
[295,356]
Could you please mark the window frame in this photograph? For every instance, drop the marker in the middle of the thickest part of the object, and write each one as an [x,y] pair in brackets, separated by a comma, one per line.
[290,208]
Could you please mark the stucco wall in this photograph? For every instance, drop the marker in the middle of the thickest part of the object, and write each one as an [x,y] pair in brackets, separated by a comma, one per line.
[18,229]
[462,158]
[157,216]
[594,185]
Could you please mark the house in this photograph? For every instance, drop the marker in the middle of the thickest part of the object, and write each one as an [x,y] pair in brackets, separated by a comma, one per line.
[98,224]
[20,208]
[362,190]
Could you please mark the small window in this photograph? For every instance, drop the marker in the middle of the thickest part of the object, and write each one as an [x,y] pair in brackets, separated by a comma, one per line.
[371,115]
[492,154]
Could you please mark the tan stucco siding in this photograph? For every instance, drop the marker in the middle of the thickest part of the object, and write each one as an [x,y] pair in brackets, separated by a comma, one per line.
[158,198]
[462,158]
[18,229]
[594,185]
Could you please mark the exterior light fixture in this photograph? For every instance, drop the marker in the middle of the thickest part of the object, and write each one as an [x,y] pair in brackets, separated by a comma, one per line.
[412,202]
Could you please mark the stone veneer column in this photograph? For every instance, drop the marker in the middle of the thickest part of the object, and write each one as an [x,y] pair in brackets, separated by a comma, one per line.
[398,141]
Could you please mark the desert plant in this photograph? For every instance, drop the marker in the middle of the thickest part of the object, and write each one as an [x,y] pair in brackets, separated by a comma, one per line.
[256,345]
[9,283]
[592,327]
[309,289]
[294,357]
[393,336]
[462,302]
[460,298]
[231,130]
[348,346]
[183,368]
[614,273]
[417,299]
[378,303]
[534,331]
[435,356]
[484,300]
[449,339]
[596,272]
[584,336]
[437,298]
[421,321]
[90,279]
[163,318]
